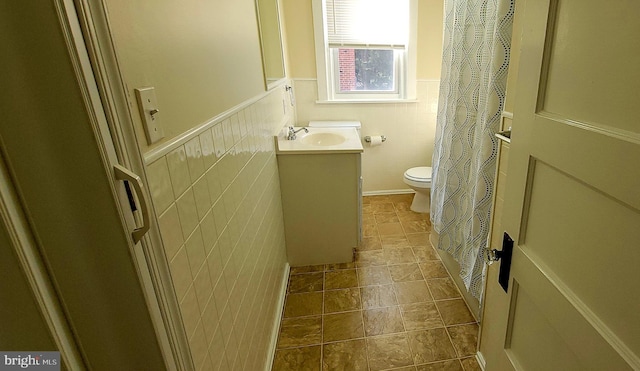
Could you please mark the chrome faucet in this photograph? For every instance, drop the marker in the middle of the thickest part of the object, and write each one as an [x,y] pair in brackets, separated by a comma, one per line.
[291,135]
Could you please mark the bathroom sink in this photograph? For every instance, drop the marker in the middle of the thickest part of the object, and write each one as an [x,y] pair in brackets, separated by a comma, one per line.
[323,139]
[319,141]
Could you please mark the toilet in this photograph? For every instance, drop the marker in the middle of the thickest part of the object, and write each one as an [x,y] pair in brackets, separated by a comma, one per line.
[419,179]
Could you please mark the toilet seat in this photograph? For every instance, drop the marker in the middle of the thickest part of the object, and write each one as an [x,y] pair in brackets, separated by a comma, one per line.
[418,176]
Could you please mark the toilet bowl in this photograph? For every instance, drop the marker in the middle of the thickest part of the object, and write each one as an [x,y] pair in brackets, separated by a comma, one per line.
[419,179]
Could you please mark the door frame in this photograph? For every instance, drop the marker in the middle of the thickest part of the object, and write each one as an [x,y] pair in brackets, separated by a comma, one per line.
[90,43]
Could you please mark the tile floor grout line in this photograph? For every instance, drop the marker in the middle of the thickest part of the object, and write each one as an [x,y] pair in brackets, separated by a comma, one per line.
[402,316]
[364,334]
[446,328]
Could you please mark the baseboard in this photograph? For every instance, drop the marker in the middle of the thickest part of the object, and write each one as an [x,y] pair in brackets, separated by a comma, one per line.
[388,192]
[278,318]
[481,361]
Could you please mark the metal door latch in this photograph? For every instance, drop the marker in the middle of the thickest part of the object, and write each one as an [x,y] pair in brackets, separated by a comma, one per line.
[505,257]
[493,256]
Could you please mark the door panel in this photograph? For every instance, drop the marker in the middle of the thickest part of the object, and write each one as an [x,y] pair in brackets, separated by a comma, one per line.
[528,319]
[578,249]
[585,42]
[547,332]
[572,198]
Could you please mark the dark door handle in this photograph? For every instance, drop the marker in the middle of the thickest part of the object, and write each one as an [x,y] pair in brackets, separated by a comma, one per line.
[504,257]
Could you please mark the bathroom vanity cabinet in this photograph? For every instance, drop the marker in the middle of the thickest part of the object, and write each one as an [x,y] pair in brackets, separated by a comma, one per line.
[322,206]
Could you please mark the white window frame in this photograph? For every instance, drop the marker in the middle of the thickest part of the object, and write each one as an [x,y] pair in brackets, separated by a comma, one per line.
[328,75]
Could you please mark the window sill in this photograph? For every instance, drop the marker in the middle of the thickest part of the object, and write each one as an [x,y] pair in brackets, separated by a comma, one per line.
[366,101]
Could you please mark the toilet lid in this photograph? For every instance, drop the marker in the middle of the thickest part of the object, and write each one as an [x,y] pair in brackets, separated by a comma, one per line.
[419,173]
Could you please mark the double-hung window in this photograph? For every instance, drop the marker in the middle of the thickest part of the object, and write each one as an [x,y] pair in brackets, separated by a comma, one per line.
[365,49]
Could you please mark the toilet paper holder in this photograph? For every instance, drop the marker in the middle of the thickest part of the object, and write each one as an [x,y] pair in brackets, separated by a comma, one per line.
[368,138]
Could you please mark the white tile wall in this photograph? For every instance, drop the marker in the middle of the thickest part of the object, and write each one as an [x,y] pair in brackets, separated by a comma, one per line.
[187,212]
[208,149]
[217,198]
[195,252]
[170,230]
[178,170]
[202,197]
[160,184]
[181,272]
[194,158]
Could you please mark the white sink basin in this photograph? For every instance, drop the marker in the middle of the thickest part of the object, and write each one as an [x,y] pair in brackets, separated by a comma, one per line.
[320,140]
[323,139]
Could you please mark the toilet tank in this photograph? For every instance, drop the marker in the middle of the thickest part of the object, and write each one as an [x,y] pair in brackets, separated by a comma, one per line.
[336,124]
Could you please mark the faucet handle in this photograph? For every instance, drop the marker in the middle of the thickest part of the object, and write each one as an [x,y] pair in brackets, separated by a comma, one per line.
[291,135]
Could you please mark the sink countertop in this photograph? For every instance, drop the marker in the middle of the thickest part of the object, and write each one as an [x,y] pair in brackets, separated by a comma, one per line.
[352,143]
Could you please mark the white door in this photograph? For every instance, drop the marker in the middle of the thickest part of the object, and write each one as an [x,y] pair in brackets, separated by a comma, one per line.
[572,201]
[78,243]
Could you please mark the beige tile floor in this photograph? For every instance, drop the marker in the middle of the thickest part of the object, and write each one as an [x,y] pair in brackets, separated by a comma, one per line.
[394,308]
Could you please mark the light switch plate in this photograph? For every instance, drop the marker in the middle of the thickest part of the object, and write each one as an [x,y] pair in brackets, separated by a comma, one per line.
[150,113]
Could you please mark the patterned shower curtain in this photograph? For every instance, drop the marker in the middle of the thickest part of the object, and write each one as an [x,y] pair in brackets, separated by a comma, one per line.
[477,39]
